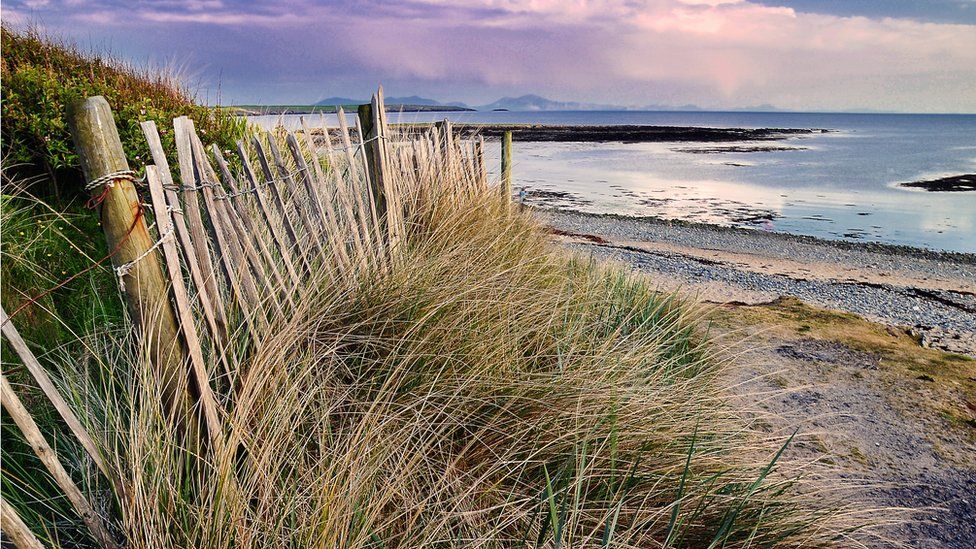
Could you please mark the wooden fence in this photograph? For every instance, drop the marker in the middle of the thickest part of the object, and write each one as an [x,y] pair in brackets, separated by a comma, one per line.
[219,245]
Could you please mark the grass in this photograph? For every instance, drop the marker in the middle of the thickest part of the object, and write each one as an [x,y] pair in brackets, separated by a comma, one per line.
[489,391]
[42,75]
[48,234]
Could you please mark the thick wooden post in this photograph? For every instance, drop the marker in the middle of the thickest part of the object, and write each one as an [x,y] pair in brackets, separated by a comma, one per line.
[374,163]
[372,120]
[146,289]
[507,167]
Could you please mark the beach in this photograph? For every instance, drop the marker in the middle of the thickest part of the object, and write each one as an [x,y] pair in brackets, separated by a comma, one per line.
[681,273]
[860,348]
[932,294]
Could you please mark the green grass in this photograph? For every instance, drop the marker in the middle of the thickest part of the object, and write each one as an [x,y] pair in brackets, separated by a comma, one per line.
[47,233]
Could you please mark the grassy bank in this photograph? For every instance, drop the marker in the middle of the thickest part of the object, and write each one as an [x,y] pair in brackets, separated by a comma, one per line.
[491,391]
[50,239]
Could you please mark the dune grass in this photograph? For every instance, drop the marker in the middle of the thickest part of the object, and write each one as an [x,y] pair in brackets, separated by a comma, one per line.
[489,391]
[42,74]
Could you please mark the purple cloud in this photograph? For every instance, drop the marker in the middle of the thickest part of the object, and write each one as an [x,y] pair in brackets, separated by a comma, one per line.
[716,53]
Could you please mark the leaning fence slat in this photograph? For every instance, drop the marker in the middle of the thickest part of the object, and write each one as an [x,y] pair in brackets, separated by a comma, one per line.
[344,193]
[191,205]
[437,153]
[184,313]
[479,152]
[261,263]
[51,392]
[230,256]
[221,207]
[327,219]
[282,209]
[44,452]
[302,171]
[240,262]
[311,232]
[383,147]
[14,528]
[242,219]
[451,164]
[316,157]
[215,321]
[265,209]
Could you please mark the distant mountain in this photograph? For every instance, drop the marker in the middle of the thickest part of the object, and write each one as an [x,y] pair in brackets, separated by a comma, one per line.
[414,100]
[765,107]
[528,102]
[537,103]
[677,108]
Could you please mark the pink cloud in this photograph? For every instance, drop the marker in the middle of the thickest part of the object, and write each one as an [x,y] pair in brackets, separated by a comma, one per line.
[712,52]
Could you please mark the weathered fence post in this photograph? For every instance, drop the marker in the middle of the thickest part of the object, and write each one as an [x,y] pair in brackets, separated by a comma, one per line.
[372,120]
[146,289]
[507,167]
[373,164]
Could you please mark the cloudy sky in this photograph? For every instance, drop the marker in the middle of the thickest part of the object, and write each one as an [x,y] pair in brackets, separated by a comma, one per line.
[899,55]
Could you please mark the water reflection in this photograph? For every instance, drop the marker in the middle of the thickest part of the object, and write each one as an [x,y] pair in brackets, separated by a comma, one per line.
[835,185]
[655,180]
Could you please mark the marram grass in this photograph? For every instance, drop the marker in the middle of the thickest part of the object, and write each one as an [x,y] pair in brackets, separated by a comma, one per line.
[487,391]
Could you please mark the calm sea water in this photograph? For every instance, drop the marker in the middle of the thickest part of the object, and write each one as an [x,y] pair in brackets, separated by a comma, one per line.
[839,185]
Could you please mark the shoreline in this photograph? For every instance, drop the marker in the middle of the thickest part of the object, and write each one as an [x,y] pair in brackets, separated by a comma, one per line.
[964,258]
[635,133]
[930,295]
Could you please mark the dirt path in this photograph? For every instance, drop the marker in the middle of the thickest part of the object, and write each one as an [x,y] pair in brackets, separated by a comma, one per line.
[868,401]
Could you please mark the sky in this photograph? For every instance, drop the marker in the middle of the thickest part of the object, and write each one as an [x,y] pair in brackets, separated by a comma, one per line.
[809,55]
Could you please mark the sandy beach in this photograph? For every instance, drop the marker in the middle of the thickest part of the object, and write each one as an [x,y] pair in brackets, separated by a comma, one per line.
[932,294]
[861,348]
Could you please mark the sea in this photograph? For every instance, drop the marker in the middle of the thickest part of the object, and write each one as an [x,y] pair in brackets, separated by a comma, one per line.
[842,184]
